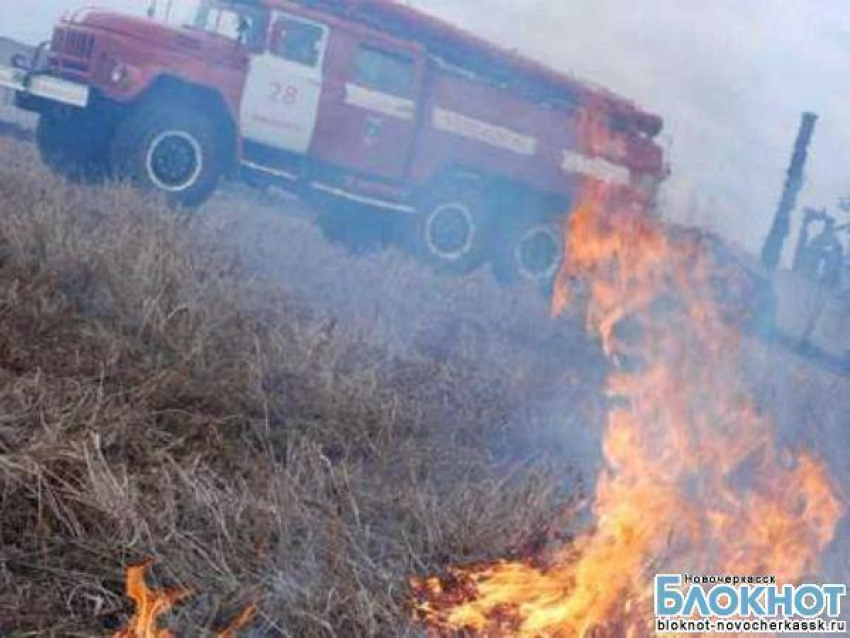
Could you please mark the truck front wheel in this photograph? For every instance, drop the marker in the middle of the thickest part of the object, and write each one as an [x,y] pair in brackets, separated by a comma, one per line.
[175,151]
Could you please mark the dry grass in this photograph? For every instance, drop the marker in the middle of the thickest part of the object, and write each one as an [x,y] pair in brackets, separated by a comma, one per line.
[157,401]
[277,421]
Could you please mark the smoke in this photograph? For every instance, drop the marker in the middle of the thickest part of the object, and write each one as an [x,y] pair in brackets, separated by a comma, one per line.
[731,79]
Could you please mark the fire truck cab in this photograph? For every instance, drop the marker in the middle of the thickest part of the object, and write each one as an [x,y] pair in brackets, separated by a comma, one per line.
[476,150]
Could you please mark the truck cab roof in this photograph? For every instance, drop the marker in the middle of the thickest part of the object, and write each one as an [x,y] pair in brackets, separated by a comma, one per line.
[477,55]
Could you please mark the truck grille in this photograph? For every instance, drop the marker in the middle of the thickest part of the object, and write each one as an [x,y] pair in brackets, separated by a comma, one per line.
[73,43]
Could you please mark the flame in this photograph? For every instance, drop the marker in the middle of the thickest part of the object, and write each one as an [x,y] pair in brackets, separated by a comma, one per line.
[151,604]
[241,621]
[693,480]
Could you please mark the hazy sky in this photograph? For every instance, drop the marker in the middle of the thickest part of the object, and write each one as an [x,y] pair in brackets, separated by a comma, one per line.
[730,77]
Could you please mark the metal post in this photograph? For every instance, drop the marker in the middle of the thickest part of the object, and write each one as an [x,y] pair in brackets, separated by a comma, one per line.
[771,252]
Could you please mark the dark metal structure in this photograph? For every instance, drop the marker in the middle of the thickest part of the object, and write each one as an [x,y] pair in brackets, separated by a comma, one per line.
[771,252]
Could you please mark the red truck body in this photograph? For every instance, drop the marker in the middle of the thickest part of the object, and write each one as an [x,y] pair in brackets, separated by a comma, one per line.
[365,99]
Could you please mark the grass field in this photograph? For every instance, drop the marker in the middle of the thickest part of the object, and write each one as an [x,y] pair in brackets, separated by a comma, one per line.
[277,421]
[160,396]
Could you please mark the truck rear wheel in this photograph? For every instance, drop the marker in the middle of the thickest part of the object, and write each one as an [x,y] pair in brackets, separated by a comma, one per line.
[172,150]
[72,145]
[531,253]
[452,230]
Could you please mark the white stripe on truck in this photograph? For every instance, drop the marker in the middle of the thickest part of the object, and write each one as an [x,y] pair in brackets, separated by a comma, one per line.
[481,131]
[516,142]
[379,102]
[595,167]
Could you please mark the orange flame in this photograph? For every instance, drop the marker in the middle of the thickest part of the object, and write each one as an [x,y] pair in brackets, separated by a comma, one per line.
[152,604]
[242,620]
[693,480]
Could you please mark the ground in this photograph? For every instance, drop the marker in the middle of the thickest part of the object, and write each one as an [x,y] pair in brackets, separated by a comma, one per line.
[277,420]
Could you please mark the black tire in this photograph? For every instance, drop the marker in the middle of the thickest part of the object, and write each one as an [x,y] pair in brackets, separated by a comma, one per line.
[530,252]
[177,151]
[452,229]
[74,144]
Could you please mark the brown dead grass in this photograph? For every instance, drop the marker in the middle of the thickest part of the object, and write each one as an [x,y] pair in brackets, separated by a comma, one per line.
[156,401]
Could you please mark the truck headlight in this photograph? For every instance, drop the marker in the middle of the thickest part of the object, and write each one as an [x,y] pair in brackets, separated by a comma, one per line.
[119,74]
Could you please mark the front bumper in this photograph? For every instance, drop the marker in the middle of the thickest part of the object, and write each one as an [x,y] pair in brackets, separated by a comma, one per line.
[46,87]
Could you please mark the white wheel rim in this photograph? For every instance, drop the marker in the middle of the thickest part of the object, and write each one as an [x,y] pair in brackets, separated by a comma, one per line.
[546,233]
[439,215]
[154,159]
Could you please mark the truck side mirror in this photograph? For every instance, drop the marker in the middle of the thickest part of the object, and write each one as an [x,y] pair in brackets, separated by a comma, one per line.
[252,33]
[243,31]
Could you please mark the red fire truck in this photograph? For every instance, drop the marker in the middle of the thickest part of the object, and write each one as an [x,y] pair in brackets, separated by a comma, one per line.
[477,149]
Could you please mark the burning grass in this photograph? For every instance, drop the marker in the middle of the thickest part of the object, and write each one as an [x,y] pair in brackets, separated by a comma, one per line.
[694,479]
[159,402]
[156,402]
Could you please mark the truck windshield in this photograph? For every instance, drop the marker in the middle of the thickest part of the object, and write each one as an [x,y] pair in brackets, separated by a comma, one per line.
[234,21]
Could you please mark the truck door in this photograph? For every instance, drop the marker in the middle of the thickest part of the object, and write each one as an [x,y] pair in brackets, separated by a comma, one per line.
[280,105]
[368,114]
